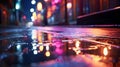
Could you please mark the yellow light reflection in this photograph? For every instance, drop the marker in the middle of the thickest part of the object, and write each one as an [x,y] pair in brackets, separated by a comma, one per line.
[34,15]
[49,37]
[41,48]
[77,44]
[105,51]
[47,54]
[77,50]
[39,36]
[109,47]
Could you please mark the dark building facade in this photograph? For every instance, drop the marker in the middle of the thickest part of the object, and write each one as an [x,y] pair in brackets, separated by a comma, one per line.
[89,6]
[99,12]
[82,7]
[6,7]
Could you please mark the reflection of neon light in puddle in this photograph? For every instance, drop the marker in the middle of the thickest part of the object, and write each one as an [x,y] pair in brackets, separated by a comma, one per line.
[34,47]
[77,44]
[77,47]
[41,48]
[58,44]
[59,51]
[18,47]
[34,34]
[47,53]
[33,44]
[47,47]
[35,52]
[105,51]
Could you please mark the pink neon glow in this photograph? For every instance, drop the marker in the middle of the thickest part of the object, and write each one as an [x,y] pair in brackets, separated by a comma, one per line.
[56,1]
[57,43]
[59,51]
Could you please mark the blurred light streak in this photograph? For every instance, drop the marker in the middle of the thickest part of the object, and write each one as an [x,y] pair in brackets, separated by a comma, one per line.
[98,42]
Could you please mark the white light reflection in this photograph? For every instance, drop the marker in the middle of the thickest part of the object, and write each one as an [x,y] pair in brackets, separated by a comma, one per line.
[35,52]
[32,18]
[34,34]
[18,47]
[34,47]
[34,44]
[77,44]
[105,51]
[47,47]
[29,24]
